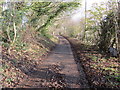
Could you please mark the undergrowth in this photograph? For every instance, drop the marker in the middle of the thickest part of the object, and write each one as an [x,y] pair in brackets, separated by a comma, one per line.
[101,70]
[26,53]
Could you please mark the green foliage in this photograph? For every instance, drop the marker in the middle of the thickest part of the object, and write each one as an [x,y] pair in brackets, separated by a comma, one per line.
[40,15]
[93,57]
[5,45]
[9,80]
[41,8]
[107,32]
[115,77]
[11,16]
[5,66]
[44,32]
[93,20]
[20,46]
[100,26]
[51,10]
[1,69]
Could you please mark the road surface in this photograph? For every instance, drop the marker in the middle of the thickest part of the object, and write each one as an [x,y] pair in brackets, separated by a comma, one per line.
[57,70]
[62,57]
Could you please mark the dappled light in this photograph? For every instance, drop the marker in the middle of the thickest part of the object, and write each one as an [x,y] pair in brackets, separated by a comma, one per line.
[60,44]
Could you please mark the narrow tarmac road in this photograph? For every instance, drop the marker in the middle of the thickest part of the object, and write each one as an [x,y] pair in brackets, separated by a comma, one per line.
[62,57]
[58,70]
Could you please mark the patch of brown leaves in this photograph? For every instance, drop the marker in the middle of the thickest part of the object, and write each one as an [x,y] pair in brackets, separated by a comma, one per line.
[95,66]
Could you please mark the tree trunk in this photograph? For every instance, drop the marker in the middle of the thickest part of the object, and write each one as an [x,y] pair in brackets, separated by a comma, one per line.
[119,26]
